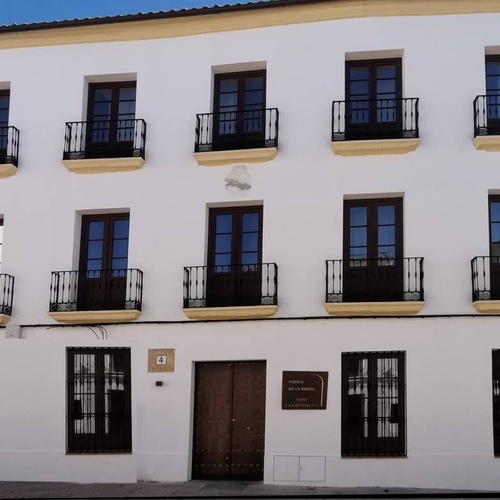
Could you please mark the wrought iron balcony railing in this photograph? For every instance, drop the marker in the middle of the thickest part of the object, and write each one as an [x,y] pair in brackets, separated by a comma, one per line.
[487,115]
[6,294]
[9,145]
[249,129]
[124,138]
[233,285]
[375,280]
[364,119]
[485,273]
[99,290]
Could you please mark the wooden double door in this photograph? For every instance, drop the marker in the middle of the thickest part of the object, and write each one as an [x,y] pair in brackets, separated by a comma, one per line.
[229,420]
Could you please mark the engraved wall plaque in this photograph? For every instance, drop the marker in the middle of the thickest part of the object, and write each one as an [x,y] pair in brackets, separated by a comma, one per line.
[304,390]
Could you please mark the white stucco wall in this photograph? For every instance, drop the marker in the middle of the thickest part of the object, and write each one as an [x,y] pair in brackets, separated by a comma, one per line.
[445,186]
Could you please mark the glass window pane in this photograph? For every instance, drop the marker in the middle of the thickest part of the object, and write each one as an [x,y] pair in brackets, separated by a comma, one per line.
[119,264]
[121,229]
[223,259]
[126,108]
[250,258]
[386,214]
[386,235]
[386,87]
[358,236]
[102,95]
[360,73]
[95,249]
[358,216]
[495,211]
[224,223]
[387,252]
[359,89]
[127,94]
[250,242]
[495,232]
[228,100]
[358,253]
[229,85]
[254,83]
[96,230]
[94,265]
[250,222]
[120,248]
[388,71]
[223,243]
[254,99]
[493,68]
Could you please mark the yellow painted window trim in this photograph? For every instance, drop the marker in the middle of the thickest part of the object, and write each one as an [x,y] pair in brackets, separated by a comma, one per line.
[221,158]
[375,147]
[95,317]
[402,308]
[103,165]
[236,312]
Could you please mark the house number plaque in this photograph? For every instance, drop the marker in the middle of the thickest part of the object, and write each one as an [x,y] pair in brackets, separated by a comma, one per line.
[304,390]
[161,360]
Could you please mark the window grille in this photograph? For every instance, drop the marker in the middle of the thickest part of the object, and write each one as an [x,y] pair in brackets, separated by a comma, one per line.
[496,402]
[373,404]
[99,416]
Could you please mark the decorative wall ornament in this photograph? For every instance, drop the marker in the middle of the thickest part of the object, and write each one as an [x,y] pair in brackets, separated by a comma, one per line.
[238,181]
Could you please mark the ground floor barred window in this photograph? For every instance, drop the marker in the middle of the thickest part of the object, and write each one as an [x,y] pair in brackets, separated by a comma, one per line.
[99,408]
[373,404]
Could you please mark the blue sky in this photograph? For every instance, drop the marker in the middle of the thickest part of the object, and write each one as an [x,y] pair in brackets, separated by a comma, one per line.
[31,11]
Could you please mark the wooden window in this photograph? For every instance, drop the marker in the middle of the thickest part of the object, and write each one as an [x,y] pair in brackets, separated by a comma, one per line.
[373,250]
[373,99]
[103,262]
[373,404]
[492,65]
[4,121]
[99,408]
[111,119]
[496,401]
[234,257]
[239,110]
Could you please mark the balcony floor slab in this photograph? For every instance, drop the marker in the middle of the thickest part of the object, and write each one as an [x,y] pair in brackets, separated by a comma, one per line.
[103,165]
[230,157]
[400,308]
[234,312]
[375,147]
[95,317]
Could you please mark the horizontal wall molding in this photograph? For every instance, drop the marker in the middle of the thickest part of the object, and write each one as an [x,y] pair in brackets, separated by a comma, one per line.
[212,21]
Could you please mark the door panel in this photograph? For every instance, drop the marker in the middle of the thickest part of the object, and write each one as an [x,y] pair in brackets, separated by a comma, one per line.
[493,94]
[229,420]
[239,110]
[373,238]
[111,120]
[103,262]
[4,124]
[494,212]
[234,275]
[373,105]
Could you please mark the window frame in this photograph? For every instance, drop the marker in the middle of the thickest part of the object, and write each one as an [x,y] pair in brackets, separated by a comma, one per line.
[99,441]
[369,445]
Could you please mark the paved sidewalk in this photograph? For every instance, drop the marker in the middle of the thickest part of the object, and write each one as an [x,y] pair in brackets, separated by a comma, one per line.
[216,490]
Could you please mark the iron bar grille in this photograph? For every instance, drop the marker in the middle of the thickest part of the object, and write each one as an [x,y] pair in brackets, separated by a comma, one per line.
[107,289]
[487,115]
[496,401]
[383,279]
[257,128]
[99,410]
[485,272]
[125,138]
[6,293]
[232,285]
[373,404]
[9,145]
[375,119]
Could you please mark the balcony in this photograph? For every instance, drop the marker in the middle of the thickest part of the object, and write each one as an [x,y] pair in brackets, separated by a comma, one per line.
[93,297]
[487,122]
[245,291]
[6,297]
[104,146]
[9,151]
[375,127]
[229,137]
[375,287]
[485,273]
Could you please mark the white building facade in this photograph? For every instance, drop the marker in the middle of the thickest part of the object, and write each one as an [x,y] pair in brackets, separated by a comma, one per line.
[253,242]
